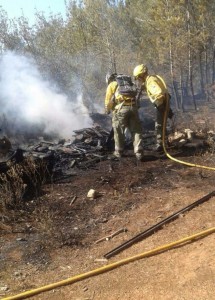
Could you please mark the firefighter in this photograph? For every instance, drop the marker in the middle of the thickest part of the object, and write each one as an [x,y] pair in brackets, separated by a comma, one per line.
[157,92]
[124,115]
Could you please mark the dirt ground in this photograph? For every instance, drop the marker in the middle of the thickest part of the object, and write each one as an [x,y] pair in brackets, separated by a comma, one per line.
[55,237]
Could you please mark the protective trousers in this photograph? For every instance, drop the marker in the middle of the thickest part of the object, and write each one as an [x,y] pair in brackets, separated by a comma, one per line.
[159,123]
[127,117]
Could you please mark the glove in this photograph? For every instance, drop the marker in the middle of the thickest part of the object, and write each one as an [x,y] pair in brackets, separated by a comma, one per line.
[170,114]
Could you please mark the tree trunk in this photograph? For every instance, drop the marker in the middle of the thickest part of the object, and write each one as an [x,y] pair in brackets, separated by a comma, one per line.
[213,66]
[172,65]
[172,77]
[201,75]
[191,88]
[206,67]
[182,92]
[190,67]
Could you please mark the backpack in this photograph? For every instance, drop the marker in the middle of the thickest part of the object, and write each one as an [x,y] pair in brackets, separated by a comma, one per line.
[125,86]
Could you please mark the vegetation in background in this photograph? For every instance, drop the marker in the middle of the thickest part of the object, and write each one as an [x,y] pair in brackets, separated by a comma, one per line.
[174,38]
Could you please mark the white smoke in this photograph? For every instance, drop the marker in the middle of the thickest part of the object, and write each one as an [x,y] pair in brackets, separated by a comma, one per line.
[27,100]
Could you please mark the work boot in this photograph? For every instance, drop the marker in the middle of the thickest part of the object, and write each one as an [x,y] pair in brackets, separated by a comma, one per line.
[139,156]
[117,154]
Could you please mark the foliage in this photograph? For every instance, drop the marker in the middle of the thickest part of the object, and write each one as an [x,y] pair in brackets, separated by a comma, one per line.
[174,38]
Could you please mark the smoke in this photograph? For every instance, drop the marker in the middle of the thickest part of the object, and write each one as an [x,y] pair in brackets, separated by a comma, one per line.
[29,102]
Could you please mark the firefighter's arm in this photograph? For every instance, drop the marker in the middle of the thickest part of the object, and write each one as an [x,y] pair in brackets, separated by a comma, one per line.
[154,89]
[155,92]
[109,97]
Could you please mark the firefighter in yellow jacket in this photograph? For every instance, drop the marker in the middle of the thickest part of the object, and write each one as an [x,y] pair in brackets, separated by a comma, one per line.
[124,115]
[157,92]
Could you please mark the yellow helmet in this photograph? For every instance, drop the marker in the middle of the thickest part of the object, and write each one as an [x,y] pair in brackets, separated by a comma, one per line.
[140,70]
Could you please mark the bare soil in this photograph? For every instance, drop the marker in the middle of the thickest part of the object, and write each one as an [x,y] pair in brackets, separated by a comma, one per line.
[54,237]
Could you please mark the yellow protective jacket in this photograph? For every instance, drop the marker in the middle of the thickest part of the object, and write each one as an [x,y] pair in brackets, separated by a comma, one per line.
[156,89]
[113,97]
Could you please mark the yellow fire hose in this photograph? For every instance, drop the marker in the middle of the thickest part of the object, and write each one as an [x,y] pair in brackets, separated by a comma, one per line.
[109,267]
[164,146]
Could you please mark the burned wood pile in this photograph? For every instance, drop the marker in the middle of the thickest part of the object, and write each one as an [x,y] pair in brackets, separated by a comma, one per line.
[25,169]
[189,139]
[86,147]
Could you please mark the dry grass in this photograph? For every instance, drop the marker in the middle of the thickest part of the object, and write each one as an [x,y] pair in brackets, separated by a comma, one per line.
[20,179]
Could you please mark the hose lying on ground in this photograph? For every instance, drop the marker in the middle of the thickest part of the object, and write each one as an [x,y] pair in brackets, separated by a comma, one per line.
[111,266]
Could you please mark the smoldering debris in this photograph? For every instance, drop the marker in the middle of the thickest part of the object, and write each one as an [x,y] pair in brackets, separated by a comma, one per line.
[89,146]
